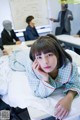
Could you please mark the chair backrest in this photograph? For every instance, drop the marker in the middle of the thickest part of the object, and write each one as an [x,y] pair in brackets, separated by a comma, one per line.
[24,33]
[58,31]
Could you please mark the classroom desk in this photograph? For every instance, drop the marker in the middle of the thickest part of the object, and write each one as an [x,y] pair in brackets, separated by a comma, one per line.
[10,48]
[69,40]
[29,43]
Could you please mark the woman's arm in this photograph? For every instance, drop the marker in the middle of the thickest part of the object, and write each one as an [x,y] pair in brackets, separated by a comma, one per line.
[71,94]
[39,84]
[64,105]
[20,61]
[72,88]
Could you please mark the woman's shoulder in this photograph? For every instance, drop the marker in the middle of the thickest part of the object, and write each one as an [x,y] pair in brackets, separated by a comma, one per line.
[66,71]
[69,66]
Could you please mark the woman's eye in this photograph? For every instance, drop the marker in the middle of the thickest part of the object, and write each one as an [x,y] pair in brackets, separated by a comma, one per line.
[50,54]
[39,57]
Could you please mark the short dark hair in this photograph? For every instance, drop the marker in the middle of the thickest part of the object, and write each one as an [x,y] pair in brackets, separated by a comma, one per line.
[49,43]
[29,18]
[66,6]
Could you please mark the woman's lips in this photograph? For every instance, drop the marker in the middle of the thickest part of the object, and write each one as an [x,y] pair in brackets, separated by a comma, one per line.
[47,67]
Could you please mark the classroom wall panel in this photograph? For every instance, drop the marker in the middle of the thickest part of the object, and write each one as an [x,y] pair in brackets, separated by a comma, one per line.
[20,9]
[54,8]
[45,9]
[5,12]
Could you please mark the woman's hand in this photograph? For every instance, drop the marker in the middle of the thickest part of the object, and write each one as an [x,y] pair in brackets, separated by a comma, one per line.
[63,107]
[5,52]
[36,67]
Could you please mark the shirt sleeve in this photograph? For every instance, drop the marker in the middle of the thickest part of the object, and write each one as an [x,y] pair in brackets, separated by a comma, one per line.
[39,88]
[14,36]
[74,82]
[18,60]
[71,17]
[58,18]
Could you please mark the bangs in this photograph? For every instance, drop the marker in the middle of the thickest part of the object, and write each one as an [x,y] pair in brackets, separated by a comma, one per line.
[43,51]
[44,47]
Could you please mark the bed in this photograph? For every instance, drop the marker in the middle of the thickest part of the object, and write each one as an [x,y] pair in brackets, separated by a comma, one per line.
[19,94]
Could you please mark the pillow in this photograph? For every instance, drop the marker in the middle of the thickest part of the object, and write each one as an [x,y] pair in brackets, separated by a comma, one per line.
[75,56]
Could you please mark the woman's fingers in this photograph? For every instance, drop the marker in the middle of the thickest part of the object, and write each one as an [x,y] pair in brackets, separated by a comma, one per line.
[34,65]
[60,112]
[58,104]
[65,113]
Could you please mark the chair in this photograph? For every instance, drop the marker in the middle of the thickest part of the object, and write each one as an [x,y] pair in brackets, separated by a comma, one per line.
[24,33]
[58,31]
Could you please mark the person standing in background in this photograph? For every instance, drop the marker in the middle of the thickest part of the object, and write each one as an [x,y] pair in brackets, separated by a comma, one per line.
[64,17]
[31,32]
[8,35]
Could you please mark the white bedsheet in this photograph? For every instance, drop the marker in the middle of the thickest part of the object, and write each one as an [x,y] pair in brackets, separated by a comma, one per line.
[19,94]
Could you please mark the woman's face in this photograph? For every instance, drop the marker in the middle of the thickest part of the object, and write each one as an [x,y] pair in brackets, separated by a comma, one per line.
[47,61]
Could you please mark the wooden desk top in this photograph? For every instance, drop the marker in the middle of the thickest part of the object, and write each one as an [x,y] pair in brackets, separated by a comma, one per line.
[29,43]
[69,39]
[75,41]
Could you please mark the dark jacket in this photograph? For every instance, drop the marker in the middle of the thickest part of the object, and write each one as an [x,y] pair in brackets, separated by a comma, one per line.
[66,21]
[1,46]
[7,39]
[31,33]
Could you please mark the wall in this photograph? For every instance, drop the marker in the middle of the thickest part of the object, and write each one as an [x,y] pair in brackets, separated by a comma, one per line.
[53,8]
[5,12]
[76,13]
[20,9]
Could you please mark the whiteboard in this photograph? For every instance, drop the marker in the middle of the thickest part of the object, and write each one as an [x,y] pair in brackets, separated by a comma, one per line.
[20,9]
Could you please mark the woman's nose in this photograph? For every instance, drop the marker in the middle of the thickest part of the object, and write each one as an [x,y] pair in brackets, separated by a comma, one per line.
[45,60]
